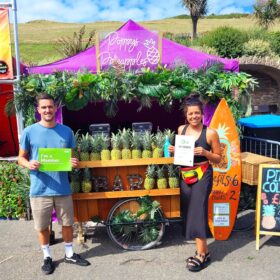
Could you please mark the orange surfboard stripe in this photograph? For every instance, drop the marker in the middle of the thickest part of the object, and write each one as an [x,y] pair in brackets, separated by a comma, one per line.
[224,198]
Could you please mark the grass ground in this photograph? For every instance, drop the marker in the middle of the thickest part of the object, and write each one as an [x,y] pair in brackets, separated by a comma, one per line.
[38,38]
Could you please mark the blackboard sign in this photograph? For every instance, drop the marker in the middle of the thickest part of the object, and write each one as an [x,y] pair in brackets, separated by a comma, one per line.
[268,201]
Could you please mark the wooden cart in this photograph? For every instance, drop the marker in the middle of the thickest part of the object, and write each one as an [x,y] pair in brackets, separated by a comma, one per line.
[106,204]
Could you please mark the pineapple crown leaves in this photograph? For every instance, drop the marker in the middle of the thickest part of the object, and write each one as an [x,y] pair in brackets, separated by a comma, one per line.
[96,143]
[170,134]
[75,174]
[84,143]
[136,140]
[104,141]
[160,170]
[173,171]
[126,138]
[116,141]
[87,174]
[151,171]
[159,139]
[147,140]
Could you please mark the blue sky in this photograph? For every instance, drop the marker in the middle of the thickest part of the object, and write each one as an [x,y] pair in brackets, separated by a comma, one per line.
[120,10]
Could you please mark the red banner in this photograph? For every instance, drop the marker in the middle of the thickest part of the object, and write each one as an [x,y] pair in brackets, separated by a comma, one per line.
[6,67]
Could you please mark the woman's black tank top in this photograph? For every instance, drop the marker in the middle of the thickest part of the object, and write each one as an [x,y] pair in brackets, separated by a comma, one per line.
[200,142]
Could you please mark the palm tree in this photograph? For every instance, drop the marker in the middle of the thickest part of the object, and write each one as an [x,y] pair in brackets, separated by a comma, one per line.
[266,12]
[197,9]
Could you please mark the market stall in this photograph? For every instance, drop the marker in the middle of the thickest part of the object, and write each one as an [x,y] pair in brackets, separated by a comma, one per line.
[134,75]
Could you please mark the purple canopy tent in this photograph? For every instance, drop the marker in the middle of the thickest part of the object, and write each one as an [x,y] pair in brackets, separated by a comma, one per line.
[134,47]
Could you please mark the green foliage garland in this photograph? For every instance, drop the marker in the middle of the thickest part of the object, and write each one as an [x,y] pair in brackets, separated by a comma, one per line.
[164,85]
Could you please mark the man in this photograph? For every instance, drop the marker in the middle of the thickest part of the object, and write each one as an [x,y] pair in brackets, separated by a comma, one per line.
[49,189]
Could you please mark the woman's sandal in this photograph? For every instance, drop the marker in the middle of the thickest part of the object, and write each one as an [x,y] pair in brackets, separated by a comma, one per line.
[195,264]
[191,258]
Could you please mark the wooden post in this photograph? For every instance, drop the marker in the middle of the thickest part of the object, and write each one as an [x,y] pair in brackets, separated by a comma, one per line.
[97,52]
[160,47]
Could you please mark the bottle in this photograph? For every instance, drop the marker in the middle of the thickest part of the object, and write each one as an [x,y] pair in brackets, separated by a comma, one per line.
[166,153]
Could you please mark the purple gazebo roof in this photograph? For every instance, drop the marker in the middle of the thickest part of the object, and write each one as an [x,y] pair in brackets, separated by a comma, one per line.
[134,47]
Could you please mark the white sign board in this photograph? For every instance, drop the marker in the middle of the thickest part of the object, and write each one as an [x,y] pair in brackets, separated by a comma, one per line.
[184,150]
[221,213]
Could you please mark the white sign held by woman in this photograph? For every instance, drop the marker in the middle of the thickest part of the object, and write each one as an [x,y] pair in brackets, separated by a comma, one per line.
[184,150]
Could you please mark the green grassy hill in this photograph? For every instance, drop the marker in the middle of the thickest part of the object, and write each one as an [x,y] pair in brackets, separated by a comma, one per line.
[38,39]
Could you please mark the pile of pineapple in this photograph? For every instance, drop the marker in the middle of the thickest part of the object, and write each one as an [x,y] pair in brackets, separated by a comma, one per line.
[125,144]
[156,175]
[160,176]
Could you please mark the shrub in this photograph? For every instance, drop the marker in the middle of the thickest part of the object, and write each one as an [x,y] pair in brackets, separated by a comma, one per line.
[180,38]
[227,41]
[14,190]
[259,48]
[206,49]
[275,42]
[257,33]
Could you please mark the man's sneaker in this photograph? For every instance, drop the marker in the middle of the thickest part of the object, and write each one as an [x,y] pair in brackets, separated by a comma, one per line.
[48,266]
[77,259]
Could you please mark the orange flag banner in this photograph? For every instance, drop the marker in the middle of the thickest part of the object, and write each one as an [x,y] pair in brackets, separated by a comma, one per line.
[6,67]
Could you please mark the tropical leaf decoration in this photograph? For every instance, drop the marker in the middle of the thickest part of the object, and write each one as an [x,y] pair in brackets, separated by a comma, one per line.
[76,90]
[82,91]
[124,222]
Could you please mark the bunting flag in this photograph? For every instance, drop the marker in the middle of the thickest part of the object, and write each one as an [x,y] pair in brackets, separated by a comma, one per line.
[6,67]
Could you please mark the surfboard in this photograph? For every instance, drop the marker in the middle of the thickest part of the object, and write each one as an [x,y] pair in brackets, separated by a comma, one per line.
[224,198]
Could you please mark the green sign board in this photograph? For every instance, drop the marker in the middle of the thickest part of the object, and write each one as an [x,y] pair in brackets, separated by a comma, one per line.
[55,159]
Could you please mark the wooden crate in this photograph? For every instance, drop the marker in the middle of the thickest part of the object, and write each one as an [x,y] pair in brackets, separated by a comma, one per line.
[250,166]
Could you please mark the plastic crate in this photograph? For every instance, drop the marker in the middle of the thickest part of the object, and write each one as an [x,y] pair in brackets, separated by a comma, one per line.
[250,166]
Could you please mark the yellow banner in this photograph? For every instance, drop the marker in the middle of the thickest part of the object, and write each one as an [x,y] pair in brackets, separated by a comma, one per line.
[6,67]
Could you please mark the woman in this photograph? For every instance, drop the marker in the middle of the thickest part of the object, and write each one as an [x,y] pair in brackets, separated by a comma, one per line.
[196,183]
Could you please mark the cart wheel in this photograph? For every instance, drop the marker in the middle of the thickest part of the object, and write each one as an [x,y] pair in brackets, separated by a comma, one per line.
[133,236]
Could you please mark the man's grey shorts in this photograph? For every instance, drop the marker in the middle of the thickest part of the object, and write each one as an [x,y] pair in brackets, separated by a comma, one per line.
[43,206]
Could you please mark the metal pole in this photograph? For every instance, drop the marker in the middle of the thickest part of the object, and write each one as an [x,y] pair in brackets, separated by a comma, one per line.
[17,80]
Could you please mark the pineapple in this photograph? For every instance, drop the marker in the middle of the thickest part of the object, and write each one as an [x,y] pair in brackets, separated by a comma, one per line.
[161,180]
[126,139]
[170,134]
[116,146]
[173,176]
[75,181]
[136,145]
[150,177]
[147,145]
[77,140]
[84,147]
[159,140]
[105,143]
[86,181]
[95,147]
[268,219]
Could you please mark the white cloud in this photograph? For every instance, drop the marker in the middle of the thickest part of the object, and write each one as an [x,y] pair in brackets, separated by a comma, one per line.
[96,10]
[231,10]
[218,6]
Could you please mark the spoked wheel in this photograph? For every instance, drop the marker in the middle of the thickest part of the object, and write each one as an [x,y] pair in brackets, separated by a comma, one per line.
[130,233]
